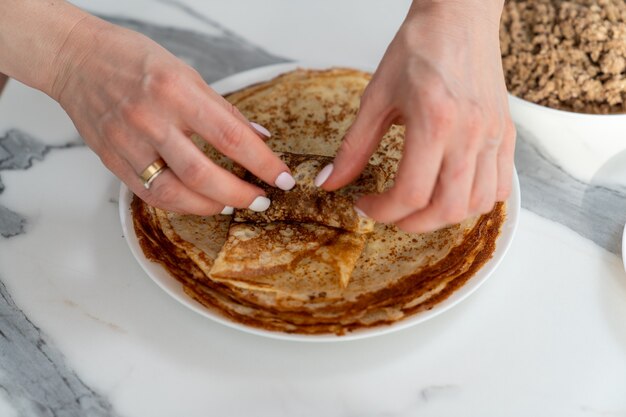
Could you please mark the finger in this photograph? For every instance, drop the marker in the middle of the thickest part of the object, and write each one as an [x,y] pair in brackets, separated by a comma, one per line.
[198,173]
[483,196]
[221,125]
[215,96]
[415,179]
[506,155]
[169,193]
[451,197]
[358,144]
[258,129]
[166,191]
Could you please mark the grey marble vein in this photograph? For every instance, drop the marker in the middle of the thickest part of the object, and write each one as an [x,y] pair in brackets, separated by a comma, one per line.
[426,395]
[18,150]
[11,223]
[190,11]
[597,212]
[34,374]
[214,57]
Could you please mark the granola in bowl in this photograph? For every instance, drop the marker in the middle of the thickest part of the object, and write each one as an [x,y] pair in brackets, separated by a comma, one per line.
[567,55]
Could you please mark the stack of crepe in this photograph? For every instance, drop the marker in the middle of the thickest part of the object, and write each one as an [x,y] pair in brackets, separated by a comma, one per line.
[310,264]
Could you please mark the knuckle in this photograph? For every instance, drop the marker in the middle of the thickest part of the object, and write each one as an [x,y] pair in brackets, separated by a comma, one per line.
[195,174]
[414,198]
[372,96]
[149,198]
[112,134]
[113,163]
[351,149]
[481,204]
[141,120]
[493,135]
[161,82]
[504,192]
[269,167]
[130,112]
[486,206]
[460,170]
[510,132]
[441,117]
[232,109]
[474,126]
[230,137]
[452,213]
[165,194]
[367,97]
[348,144]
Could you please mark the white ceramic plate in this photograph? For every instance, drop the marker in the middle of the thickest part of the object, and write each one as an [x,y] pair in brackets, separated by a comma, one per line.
[171,286]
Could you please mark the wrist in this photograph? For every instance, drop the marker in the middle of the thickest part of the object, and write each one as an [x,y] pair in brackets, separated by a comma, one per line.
[80,41]
[484,12]
[30,55]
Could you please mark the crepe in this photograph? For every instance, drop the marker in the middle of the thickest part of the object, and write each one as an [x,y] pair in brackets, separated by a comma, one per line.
[307,203]
[396,275]
[304,222]
[254,253]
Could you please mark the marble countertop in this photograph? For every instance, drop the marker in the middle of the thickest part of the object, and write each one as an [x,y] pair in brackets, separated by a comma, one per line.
[84,332]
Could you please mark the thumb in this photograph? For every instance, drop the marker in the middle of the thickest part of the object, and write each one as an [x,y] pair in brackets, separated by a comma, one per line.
[371,123]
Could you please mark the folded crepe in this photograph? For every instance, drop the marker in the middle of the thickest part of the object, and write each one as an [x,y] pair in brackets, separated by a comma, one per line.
[305,222]
[307,203]
[254,252]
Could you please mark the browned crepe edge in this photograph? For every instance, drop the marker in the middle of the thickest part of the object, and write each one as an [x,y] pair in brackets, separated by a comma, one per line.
[159,249]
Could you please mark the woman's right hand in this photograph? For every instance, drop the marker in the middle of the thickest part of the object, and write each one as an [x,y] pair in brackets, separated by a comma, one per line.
[134,102]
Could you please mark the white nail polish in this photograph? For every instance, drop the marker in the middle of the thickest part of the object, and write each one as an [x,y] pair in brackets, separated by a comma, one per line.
[263,131]
[323,175]
[260,204]
[285,181]
[361,213]
[228,210]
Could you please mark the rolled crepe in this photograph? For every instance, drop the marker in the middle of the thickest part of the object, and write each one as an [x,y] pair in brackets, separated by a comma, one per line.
[307,203]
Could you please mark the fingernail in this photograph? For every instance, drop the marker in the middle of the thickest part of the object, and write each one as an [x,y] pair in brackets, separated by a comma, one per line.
[361,213]
[263,131]
[260,204]
[323,175]
[285,181]
[228,210]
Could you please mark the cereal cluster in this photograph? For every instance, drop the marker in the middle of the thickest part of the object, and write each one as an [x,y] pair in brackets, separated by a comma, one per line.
[569,55]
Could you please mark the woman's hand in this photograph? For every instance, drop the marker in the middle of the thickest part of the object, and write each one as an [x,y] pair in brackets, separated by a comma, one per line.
[442,77]
[133,102]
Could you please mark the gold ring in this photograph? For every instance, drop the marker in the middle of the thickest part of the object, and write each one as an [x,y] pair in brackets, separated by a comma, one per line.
[152,171]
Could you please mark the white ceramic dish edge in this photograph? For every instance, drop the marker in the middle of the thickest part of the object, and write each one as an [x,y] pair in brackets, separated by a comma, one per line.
[579,143]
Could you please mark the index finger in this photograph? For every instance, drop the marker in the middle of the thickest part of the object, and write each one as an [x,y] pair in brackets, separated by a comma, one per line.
[223,126]
[415,180]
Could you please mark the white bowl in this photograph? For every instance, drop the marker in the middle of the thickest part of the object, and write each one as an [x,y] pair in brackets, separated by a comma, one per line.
[579,143]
